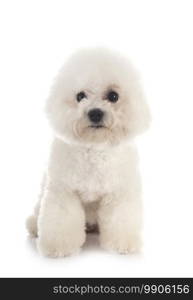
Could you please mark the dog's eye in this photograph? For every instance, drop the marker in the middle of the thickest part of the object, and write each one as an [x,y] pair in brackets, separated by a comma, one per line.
[112,96]
[80,96]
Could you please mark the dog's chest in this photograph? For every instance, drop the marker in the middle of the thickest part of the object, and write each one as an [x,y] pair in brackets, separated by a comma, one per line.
[92,173]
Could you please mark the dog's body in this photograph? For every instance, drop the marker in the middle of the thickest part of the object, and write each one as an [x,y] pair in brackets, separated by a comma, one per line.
[92,176]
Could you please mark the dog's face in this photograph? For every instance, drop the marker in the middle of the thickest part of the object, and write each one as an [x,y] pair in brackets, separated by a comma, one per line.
[97,99]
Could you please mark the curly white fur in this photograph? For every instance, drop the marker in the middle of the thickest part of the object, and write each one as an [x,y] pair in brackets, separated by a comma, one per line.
[92,176]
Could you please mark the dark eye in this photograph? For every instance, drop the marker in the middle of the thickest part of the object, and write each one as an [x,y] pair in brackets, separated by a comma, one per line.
[80,96]
[112,96]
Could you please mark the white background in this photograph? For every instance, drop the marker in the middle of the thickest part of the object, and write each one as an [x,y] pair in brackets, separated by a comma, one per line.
[36,37]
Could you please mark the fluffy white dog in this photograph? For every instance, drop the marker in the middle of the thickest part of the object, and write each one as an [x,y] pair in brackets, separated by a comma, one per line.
[96,108]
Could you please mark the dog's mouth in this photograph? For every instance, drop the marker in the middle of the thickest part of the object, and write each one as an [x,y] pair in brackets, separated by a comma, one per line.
[97,126]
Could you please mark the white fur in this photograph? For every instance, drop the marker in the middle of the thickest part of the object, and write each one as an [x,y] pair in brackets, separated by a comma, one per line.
[92,176]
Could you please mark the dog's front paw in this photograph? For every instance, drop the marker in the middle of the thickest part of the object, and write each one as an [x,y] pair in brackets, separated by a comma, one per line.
[124,244]
[53,247]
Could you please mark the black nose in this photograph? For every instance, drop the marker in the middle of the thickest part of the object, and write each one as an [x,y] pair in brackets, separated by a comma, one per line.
[95,115]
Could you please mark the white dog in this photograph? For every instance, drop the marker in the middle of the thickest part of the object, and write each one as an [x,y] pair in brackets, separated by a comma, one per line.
[96,108]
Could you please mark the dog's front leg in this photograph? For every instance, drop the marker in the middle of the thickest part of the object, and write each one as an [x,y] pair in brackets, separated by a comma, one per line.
[119,219]
[61,222]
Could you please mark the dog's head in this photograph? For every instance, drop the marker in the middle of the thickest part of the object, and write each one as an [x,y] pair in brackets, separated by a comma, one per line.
[97,98]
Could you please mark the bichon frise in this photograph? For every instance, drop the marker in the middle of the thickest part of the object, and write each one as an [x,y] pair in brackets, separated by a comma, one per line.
[96,108]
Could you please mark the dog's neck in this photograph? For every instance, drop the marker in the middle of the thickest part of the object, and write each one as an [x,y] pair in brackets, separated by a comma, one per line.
[103,147]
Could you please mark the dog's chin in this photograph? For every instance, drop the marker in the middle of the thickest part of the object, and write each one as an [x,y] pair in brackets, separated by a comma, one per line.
[100,134]
[94,134]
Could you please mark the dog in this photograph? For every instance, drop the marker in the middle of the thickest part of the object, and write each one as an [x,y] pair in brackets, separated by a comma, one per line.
[96,108]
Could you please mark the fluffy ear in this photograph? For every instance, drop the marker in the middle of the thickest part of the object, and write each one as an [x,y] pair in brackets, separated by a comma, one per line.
[139,115]
[55,109]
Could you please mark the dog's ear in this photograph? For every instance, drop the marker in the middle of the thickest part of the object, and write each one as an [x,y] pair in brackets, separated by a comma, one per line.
[59,93]
[140,116]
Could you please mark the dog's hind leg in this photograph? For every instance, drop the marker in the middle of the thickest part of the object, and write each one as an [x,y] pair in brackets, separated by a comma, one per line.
[31,222]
